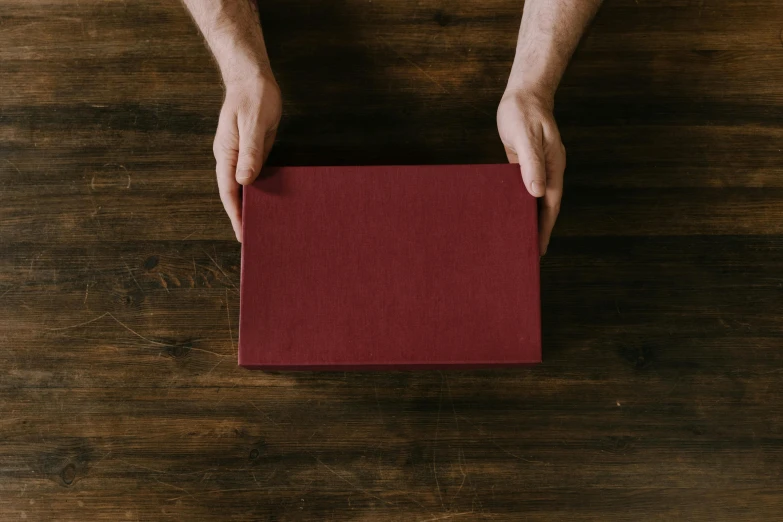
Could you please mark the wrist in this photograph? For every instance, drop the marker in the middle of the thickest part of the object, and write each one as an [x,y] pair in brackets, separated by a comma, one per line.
[532,84]
[241,62]
[259,86]
[240,53]
[531,92]
[535,74]
[247,73]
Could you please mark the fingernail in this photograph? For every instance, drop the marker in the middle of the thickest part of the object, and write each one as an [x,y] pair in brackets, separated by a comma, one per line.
[244,176]
[538,188]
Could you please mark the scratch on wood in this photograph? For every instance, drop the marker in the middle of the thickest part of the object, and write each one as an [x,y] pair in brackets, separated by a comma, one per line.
[425,73]
[221,269]
[380,413]
[14,166]
[203,350]
[163,283]
[97,218]
[356,487]
[134,332]
[513,455]
[435,447]
[230,333]
[451,400]
[137,334]
[460,458]
[7,291]
[262,412]
[210,371]
[132,276]
[102,458]
[214,491]
[80,324]
[175,487]
[447,517]
[143,467]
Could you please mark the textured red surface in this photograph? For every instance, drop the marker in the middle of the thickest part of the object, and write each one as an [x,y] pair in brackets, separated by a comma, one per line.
[389,267]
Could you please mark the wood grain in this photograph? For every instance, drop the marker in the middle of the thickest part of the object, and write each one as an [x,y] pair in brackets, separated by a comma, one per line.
[660,395]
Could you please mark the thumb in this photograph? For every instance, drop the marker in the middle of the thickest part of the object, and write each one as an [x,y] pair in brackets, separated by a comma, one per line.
[530,151]
[251,154]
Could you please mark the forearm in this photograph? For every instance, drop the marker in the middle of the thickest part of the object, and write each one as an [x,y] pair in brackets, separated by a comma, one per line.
[233,34]
[548,36]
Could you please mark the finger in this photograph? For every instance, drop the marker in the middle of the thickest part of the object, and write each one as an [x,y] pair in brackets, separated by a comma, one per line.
[251,151]
[226,150]
[529,149]
[546,222]
[550,203]
[229,196]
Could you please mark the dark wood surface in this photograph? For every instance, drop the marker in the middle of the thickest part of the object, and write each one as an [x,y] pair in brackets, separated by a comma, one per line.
[660,396]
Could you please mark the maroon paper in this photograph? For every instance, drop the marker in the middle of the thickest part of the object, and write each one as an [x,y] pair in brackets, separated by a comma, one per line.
[389,267]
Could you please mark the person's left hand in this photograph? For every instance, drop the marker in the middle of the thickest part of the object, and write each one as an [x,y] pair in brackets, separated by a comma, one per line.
[530,136]
[245,134]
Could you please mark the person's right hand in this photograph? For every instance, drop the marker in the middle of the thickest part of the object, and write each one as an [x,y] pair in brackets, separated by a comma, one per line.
[245,135]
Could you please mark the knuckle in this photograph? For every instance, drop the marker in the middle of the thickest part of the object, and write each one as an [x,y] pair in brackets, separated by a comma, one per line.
[221,148]
[538,160]
[250,153]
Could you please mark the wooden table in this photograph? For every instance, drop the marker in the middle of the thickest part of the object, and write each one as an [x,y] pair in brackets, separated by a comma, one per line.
[660,396]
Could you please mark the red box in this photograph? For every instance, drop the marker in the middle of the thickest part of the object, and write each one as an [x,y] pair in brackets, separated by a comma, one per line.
[389,268]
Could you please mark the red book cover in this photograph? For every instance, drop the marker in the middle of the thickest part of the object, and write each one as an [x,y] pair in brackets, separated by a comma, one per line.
[389,268]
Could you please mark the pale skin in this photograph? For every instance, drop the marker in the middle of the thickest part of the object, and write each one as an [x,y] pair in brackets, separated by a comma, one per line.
[548,35]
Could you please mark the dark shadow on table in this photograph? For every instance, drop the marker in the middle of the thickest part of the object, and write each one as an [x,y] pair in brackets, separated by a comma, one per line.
[343,106]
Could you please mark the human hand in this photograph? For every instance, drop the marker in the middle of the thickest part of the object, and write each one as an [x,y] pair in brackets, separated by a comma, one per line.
[530,136]
[245,135]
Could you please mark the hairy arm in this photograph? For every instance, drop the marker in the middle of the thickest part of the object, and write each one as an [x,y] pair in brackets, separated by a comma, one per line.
[548,36]
[252,108]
